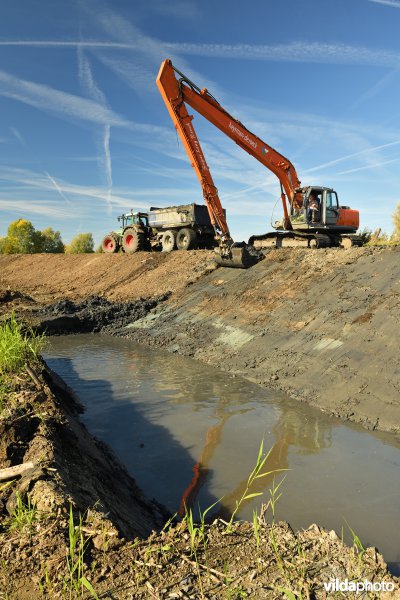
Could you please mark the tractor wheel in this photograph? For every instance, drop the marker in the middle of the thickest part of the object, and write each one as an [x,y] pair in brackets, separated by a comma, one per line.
[186,239]
[132,241]
[168,241]
[110,243]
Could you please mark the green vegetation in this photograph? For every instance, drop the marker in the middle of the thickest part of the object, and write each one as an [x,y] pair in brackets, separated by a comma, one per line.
[81,244]
[18,345]
[24,514]
[381,238]
[76,583]
[23,238]
[50,241]
[256,474]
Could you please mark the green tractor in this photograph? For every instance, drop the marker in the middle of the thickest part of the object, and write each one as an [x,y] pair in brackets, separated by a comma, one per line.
[132,236]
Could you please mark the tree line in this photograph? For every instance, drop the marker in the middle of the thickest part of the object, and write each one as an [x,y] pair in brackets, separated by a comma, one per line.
[23,238]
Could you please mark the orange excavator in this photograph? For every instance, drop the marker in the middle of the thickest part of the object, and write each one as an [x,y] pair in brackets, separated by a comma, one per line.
[312,215]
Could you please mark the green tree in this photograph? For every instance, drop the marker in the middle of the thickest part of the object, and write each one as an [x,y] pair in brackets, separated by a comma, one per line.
[50,241]
[396,224]
[21,238]
[81,244]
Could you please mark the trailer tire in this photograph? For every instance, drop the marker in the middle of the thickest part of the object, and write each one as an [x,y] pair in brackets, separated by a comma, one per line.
[132,241]
[186,239]
[110,243]
[168,241]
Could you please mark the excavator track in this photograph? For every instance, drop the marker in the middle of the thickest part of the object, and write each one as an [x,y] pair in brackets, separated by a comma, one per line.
[296,239]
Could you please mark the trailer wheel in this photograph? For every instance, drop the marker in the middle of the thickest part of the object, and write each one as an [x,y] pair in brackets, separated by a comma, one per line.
[186,239]
[132,241]
[110,243]
[168,241]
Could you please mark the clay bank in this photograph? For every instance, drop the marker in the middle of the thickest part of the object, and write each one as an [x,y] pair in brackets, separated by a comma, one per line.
[320,326]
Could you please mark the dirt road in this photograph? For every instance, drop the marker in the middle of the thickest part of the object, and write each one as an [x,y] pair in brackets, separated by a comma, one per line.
[321,325]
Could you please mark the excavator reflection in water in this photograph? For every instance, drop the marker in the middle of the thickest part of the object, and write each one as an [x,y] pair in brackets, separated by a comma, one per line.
[305,432]
[307,435]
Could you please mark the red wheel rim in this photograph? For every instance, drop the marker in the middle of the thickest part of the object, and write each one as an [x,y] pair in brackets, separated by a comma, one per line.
[129,240]
[109,244]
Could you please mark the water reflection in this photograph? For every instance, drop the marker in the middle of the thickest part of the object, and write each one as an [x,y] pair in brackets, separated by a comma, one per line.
[190,434]
[308,434]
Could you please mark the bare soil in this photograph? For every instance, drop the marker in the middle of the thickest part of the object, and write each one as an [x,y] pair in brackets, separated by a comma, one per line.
[321,325]
[114,556]
[118,277]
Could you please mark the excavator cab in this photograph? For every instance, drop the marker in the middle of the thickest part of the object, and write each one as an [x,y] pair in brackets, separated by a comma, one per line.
[321,211]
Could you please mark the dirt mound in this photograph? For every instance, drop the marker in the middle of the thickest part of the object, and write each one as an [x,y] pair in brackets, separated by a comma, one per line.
[48,277]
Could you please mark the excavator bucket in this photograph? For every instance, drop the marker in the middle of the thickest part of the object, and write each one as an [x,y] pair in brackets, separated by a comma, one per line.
[240,256]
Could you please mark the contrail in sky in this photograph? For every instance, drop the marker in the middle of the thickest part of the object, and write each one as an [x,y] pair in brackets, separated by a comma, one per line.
[90,86]
[393,3]
[59,190]
[307,52]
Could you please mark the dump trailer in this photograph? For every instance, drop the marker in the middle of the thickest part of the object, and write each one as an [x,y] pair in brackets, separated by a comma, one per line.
[183,227]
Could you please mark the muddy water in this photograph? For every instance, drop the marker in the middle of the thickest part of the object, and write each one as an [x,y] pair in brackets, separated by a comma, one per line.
[190,433]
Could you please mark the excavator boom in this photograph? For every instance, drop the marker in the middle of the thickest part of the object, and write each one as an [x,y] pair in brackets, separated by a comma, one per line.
[178,92]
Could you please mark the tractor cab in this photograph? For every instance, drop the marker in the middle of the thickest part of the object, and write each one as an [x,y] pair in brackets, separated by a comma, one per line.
[130,219]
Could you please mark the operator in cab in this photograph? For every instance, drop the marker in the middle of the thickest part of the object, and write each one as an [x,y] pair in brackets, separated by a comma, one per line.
[313,208]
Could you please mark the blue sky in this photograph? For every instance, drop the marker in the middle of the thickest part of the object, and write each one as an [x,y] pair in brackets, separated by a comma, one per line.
[85,135]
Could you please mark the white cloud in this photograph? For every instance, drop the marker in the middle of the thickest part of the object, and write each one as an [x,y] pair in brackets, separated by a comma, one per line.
[312,52]
[79,195]
[179,9]
[354,155]
[56,101]
[370,166]
[58,189]
[28,206]
[392,3]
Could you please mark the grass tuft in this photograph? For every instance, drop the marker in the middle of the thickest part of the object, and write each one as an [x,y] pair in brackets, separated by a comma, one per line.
[24,515]
[18,345]
[76,583]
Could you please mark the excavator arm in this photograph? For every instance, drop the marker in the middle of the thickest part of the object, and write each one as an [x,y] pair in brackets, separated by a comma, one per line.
[335,226]
[178,91]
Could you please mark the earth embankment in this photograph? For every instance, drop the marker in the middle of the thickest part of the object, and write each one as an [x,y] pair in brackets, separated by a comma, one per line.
[321,325]
[49,277]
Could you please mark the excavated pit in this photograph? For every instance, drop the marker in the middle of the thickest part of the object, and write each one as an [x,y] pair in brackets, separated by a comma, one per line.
[320,325]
